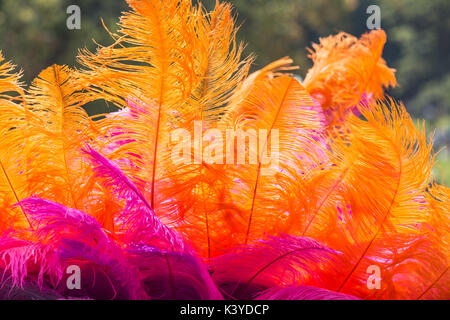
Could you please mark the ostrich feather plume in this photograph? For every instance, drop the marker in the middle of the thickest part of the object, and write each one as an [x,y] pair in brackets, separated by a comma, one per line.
[211,182]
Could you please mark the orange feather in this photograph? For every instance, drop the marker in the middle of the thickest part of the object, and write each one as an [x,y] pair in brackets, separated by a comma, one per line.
[346,71]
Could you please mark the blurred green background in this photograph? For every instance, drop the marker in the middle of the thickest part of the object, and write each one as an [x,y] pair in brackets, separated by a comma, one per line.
[33,34]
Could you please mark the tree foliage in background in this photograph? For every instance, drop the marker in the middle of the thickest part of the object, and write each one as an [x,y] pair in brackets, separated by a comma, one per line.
[34,34]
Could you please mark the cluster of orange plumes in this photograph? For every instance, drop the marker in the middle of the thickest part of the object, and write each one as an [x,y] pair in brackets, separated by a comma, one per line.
[354,177]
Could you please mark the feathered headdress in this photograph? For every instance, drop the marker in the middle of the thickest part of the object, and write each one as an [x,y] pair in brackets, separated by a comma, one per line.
[210,183]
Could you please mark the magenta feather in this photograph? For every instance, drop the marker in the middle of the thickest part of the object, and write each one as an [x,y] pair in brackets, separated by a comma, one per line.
[284,260]
[74,237]
[137,220]
[52,221]
[22,260]
[171,275]
[106,275]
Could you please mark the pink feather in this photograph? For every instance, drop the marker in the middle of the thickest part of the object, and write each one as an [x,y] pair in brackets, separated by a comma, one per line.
[72,237]
[170,275]
[137,221]
[284,260]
